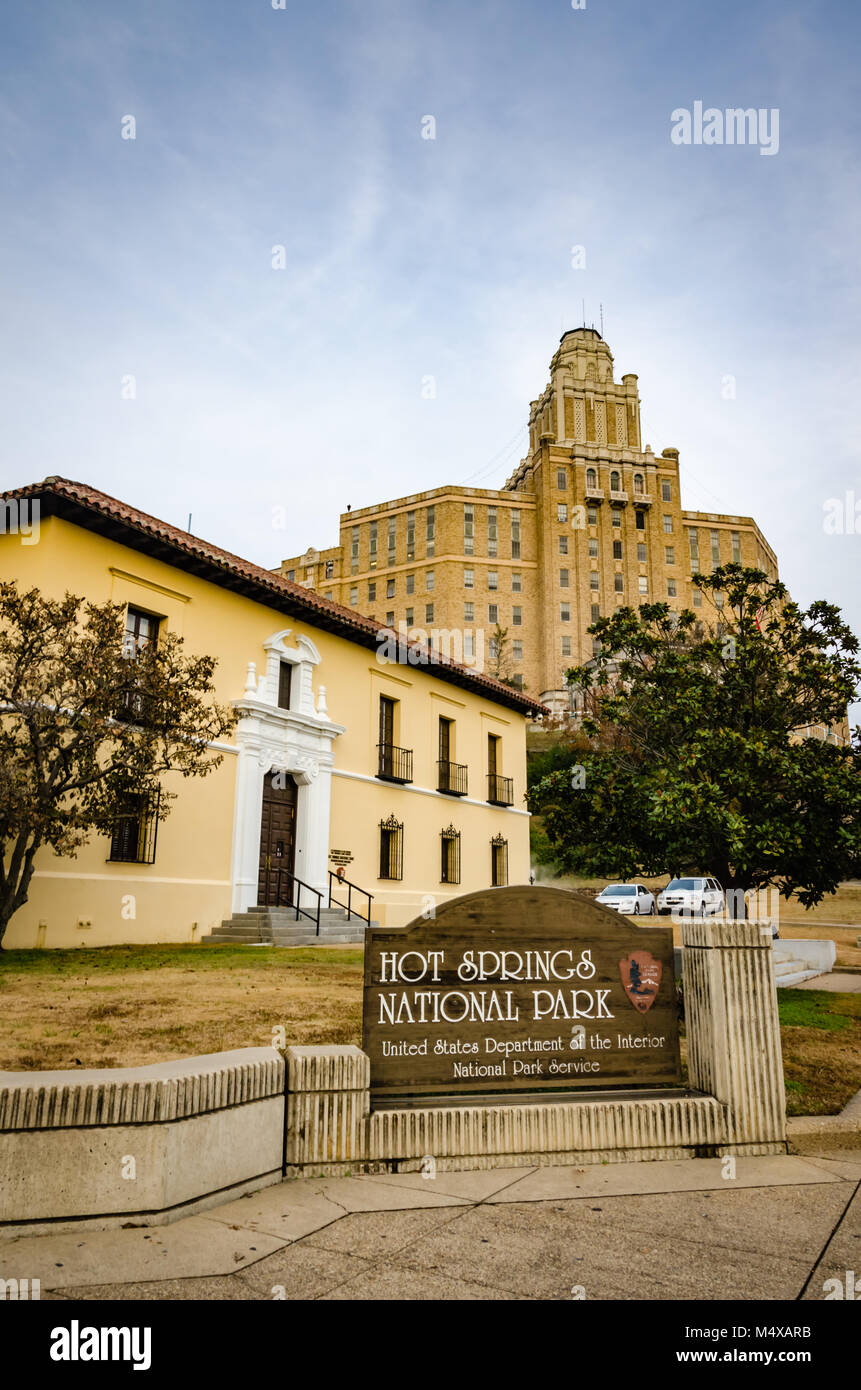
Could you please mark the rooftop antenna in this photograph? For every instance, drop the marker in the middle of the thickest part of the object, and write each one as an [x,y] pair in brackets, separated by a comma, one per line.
[188,527]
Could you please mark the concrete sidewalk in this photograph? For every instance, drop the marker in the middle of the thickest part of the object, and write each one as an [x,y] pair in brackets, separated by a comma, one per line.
[676,1230]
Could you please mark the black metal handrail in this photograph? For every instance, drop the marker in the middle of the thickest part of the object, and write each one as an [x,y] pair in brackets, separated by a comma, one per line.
[287,883]
[348,905]
[500,790]
[452,778]
[394,764]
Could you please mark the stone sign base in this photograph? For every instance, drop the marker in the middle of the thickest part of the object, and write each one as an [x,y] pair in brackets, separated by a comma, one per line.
[735,1105]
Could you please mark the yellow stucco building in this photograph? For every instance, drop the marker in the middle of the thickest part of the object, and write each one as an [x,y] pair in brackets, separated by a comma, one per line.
[588,521]
[404,769]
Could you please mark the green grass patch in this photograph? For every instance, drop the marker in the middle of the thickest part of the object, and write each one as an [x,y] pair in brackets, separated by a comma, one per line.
[817,1008]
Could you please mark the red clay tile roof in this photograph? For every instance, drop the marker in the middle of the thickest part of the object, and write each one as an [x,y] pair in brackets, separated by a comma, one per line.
[95,511]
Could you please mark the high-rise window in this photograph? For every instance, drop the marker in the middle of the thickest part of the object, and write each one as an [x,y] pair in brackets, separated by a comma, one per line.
[641,552]
[671,588]
[638,485]
[390,588]
[617,520]
[372,547]
[735,542]
[518,651]
[390,618]
[517,616]
[615,481]
[643,584]
[591,478]
[593,580]
[619,583]
[670,554]
[563,579]
[493,613]
[596,612]
[492,532]
[469,612]
[393,539]
[516,582]
[493,579]
[668,524]
[428,612]
[561,479]
[561,511]
[354,550]
[430,531]
[409,617]
[469,579]
[666,491]
[593,549]
[411,583]
[563,545]
[641,521]
[468,529]
[617,550]
[592,516]
[566,646]
[411,535]
[694,543]
[715,540]
[372,591]
[515,535]
[565,612]
[354,596]
[429,580]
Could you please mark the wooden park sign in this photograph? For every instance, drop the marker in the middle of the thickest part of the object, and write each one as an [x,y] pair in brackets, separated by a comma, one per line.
[520,989]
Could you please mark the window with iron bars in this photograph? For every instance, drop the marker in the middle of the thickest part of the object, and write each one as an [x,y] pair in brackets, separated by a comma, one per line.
[135,829]
[391,848]
[498,861]
[449,855]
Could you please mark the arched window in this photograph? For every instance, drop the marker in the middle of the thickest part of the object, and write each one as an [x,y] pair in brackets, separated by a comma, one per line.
[615,482]
[638,482]
[591,477]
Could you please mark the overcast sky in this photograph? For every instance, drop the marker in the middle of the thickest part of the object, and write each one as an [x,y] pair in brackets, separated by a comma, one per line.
[257,389]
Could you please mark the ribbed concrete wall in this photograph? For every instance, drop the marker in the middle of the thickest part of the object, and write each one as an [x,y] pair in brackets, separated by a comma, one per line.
[139,1095]
[732,1026]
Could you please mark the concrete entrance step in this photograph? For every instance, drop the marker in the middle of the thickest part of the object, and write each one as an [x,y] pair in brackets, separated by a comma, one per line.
[788,971]
[272,926]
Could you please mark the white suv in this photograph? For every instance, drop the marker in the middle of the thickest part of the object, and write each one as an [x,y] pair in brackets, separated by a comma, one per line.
[691,897]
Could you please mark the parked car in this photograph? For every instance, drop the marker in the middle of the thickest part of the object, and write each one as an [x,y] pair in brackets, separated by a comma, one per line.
[691,897]
[629,898]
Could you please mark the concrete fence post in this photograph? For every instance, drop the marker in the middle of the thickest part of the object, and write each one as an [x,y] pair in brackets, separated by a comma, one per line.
[328,1105]
[733,1031]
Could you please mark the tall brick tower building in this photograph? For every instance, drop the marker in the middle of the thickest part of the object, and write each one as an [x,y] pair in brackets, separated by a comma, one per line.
[589,520]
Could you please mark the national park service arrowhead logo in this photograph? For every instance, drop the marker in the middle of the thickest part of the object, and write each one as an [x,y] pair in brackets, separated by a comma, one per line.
[641,976]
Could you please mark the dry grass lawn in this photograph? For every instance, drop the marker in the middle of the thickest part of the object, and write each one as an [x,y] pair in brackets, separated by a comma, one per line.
[124,1006]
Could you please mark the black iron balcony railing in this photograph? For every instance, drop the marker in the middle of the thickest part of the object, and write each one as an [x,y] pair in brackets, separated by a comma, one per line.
[500,790]
[452,778]
[394,764]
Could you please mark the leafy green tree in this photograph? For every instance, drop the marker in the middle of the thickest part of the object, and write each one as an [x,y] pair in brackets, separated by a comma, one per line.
[697,758]
[88,725]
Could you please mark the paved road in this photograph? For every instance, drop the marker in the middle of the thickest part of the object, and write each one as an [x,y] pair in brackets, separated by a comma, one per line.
[677,1230]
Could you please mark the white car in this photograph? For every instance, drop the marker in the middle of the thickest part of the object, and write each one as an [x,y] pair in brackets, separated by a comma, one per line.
[629,898]
[691,897]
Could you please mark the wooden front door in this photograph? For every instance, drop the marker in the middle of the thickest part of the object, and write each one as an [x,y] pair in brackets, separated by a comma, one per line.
[277,840]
